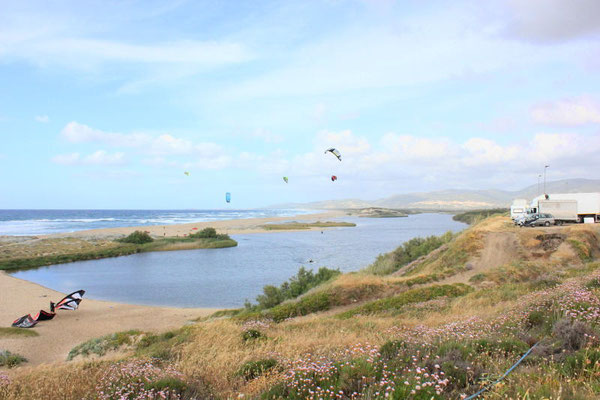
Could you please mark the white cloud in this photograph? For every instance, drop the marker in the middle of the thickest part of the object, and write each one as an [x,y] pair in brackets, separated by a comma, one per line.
[439,161]
[42,118]
[554,20]
[573,111]
[99,157]
[155,147]
[484,151]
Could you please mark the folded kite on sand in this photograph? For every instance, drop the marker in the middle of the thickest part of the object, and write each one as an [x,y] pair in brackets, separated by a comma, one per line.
[69,302]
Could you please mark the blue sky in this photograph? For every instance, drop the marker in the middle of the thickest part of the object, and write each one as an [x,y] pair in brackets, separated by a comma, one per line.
[105,104]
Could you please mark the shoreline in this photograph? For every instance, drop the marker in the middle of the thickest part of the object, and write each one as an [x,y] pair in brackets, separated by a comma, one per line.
[228,226]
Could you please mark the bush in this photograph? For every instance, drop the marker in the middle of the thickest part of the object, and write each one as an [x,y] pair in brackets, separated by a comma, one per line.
[409,251]
[8,359]
[573,335]
[137,237]
[297,285]
[307,305]
[101,345]
[254,369]
[471,217]
[252,334]
[205,233]
[390,349]
[582,362]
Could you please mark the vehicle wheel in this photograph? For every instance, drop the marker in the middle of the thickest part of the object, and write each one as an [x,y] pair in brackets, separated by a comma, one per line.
[547,223]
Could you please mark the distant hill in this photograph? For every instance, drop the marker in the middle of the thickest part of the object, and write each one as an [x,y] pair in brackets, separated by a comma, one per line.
[454,199]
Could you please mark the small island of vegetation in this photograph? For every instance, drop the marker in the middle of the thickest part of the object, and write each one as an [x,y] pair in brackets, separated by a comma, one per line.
[49,251]
[377,212]
[306,225]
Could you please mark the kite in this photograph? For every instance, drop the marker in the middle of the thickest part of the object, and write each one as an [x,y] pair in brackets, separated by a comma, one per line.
[335,153]
[186,173]
[69,302]
[27,321]
[228,197]
[333,178]
[285,179]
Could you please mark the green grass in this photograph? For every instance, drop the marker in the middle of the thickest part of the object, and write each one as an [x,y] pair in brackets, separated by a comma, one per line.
[8,359]
[409,251]
[472,217]
[395,304]
[306,225]
[162,346]
[583,251]
[253,369]
[100,346]
[8,332]
[123,249]
[297,285]
[306,305]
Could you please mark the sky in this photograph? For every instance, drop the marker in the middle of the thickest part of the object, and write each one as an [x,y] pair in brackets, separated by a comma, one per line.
[105,104]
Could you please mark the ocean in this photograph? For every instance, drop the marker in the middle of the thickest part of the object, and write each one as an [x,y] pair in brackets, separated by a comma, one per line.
[43,222]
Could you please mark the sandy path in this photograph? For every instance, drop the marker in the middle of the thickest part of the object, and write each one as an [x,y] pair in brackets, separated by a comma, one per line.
[500,248]
[231,227]
[93,319]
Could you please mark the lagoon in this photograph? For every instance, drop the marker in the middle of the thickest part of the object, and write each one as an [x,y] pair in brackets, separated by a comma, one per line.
[225,278]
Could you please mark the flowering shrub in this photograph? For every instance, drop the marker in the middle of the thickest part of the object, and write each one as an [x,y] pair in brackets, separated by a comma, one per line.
[138,379]
[361,372]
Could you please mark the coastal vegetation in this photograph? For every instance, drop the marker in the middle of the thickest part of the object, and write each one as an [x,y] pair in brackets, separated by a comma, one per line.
[137,237]
[10,360]
[48,251]
[444,324]
[472,217]
[306,225]
[409,251]
[11,332]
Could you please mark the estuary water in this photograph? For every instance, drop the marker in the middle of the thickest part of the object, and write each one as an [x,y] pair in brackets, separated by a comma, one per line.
[227,277]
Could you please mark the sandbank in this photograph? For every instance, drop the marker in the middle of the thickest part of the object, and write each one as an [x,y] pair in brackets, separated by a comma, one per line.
[230,226]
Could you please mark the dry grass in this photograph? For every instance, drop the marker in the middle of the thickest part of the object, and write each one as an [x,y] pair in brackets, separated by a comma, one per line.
[56,382]
[34,247]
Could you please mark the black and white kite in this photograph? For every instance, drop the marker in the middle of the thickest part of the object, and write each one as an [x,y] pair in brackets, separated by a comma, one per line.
[335,152]
[69,302]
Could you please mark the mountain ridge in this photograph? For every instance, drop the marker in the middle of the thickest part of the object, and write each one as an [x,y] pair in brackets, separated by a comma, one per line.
[454,199]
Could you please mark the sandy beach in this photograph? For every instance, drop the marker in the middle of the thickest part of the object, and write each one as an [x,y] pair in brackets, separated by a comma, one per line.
[230,227]
[68,328]
[97,318]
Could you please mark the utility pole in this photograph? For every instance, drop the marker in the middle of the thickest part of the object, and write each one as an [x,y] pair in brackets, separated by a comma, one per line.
[545,167]
[539,177]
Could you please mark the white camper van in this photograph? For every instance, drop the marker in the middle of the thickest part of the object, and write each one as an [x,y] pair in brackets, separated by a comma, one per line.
[518,208]
[568,207]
